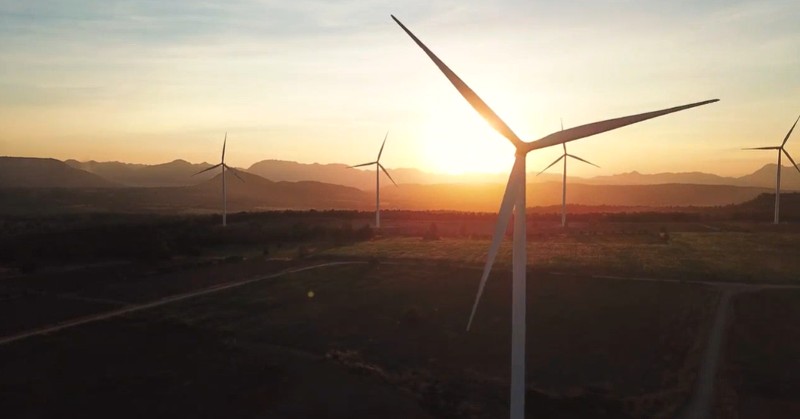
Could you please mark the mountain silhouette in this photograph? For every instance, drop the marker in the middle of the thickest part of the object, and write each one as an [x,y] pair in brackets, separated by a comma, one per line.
[256,192]
[175,173]
[30,172]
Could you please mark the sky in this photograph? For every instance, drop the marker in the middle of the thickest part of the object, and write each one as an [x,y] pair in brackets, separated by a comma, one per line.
[322,81]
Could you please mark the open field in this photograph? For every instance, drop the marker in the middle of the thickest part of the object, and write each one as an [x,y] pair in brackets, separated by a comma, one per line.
[386,337]
[721,256]
[399,325]
[729,251]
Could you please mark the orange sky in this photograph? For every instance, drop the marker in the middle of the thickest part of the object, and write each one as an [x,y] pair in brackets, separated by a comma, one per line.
[316,82]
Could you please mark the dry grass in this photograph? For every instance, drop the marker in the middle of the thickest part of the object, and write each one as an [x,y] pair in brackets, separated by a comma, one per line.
[724,256]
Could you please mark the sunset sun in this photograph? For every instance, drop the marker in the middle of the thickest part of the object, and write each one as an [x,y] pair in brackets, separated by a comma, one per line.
[461,142]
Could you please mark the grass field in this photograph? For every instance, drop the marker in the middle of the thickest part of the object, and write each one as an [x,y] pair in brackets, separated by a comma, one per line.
[723,256]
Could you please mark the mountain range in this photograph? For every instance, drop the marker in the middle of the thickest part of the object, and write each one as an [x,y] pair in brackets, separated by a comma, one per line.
[174,173]
[27,183]
[179,173]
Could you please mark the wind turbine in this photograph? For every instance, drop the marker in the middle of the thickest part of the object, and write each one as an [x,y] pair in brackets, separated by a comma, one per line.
[514,198]
[781,151]
[224,192]
[565,156]
[378,168]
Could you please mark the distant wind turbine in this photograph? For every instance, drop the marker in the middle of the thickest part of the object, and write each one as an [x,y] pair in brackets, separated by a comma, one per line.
[224,192]
[781,150]
[378,168]
[514,198]
[564,178]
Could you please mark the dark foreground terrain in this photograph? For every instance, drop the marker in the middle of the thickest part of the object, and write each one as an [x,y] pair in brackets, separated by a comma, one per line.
[374,326]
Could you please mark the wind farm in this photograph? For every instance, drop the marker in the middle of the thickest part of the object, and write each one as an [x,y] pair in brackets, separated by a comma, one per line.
[138,280]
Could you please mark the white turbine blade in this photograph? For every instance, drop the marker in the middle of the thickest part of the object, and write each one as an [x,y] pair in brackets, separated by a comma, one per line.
[477,103]
[387,174]
[384,143]
[205,170]
[790,132]
[585,161]
[791,159]
[225,141]
[500,228]
[234,171]
[762,148]
[362,164]
[587,130]
[551,164]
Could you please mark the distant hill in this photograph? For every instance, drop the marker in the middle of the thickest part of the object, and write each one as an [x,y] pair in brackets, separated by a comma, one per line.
[28,172]
[486,197]
[174,173]
[179,173]
[365,179]
[360,178]
[256,192]
[636,178]
[765,176]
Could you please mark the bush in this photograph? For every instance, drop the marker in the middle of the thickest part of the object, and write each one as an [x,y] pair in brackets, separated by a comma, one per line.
[432,233]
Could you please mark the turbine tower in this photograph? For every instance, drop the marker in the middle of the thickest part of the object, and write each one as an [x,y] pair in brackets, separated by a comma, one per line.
[565,156]
[514,198]
[378,168]
[781,150]
[224,192]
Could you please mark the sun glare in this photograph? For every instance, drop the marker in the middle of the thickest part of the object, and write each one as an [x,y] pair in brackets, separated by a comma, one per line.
[459,142]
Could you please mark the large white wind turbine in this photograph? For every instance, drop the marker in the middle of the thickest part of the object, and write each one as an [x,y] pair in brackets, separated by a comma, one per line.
[224,193]
[514,198]
[378,168]
[781,150]
[564,178]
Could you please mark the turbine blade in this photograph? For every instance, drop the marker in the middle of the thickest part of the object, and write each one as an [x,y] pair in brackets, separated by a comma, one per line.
[477,103]
[762,148]
[234,171]
[225,141]
[551,164]
[384,143]
[499,230]
[603,126]
[362,164]
[790,132]
[585,161]
[387,174]
[207,169]
[791,159]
